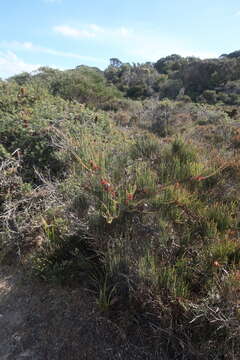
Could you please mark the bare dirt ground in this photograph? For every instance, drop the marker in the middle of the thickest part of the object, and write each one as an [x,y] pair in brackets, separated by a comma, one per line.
[42,322]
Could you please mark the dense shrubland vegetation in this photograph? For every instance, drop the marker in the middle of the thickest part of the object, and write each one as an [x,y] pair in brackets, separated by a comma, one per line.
[206,81]
[127,181]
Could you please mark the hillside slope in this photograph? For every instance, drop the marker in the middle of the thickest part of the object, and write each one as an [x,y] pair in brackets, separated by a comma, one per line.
[135,199]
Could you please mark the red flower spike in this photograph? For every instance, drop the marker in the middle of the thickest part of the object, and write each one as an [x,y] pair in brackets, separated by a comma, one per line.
[106,185]
[104,182]
[199,178]
[129,196]
[94,166]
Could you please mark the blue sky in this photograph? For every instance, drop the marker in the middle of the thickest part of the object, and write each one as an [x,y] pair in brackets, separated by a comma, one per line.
[67,33]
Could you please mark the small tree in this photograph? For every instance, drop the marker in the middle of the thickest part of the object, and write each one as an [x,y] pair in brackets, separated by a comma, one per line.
[115,62]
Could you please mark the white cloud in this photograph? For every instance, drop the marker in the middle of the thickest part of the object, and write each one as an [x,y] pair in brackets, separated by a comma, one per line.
[28,46]
[147,46]
[72,32]
[123,31]
[92,31]
[11,65]
[66,54]
[151,52]
[96,28]
[150,46]
[16,45]
[237,13]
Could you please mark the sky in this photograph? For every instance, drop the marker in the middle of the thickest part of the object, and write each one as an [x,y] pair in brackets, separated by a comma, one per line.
[66,33]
